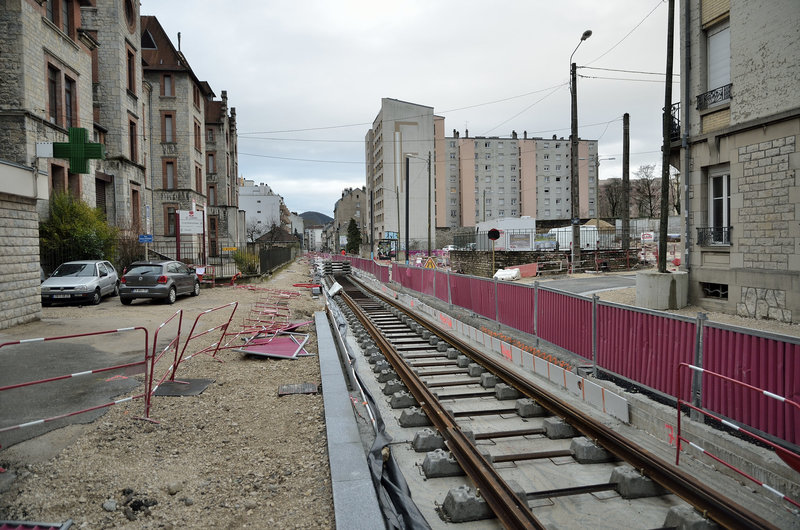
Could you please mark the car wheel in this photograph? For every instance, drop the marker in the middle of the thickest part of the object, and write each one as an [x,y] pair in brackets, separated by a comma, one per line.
[125,301]
[171,296]
[96,297]
[116,289]
[196,289]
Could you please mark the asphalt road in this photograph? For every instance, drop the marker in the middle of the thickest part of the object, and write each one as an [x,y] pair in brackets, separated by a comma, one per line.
[588,286]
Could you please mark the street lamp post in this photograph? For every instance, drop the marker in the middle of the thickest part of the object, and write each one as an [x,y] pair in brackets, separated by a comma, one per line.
[428,160]
[574,190]
[408,191]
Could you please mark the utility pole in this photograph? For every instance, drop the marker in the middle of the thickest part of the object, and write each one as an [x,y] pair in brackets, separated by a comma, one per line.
[429,203]
[666,131]
[573,174]
[626,181]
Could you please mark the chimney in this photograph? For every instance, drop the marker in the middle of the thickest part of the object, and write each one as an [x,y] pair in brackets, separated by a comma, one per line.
[514,134]
[179,41]
[466,133]
[525,135]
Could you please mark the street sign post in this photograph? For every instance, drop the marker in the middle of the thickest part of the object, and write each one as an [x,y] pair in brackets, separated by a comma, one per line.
[145,238]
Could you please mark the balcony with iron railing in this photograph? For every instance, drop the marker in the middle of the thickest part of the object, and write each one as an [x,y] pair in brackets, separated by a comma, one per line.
[708,236]
[714,97]
[675,127]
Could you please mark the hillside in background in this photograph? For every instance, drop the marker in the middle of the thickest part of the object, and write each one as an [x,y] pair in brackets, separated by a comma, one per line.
[315,218]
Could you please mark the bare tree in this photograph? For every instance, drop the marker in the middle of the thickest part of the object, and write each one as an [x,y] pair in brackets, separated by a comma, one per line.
[252,230]
[646,191]
[611,199]
[675,192]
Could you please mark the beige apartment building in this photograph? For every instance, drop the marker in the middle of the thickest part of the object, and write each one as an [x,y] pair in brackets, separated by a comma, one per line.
[735,143]
[399,187]
[351,205]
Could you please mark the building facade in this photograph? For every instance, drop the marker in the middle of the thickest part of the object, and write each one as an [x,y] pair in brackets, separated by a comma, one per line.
[352,205]
[736,149]
[397,148]
[263,207]
[485,178]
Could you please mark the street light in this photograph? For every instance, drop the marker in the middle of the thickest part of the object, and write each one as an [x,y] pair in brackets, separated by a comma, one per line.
[428,160]
[574,191]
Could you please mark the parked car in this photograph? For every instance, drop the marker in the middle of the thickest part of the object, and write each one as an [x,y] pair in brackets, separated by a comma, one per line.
[80,281]
[157,280]
[449,248]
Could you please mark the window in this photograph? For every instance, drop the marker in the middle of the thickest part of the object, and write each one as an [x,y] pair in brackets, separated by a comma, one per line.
[167,86]
[452,156]
[212,195]
[718,50]
[54,93]
[170,177]
[198,179]
[168,127]
[513,202]
[198,140]
[488,156]
[210,165]
[210,136]
[132,140]
[501,212]
[719,207]
[169,219]
[546,157]
[59,12]
[547,168]
[196,95]
[513,167]
[131,70]
[513,212]
[69,103]
[136,209]
[452,144]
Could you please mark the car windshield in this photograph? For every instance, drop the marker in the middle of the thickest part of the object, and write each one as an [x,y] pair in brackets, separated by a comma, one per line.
[75,269]
[142,270]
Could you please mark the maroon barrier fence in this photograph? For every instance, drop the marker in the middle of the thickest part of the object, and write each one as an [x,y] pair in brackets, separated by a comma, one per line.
[150,386]
[642,346]
[565,321]
[515,306]
[427,281]
[763,362]
[442,285]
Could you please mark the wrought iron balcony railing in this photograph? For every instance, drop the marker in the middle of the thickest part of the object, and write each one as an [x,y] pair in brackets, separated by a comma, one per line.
[712,97]
[675,130]
[714,236]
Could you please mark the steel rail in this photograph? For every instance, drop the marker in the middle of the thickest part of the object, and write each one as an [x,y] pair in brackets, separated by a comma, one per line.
[702,497]
[509,509]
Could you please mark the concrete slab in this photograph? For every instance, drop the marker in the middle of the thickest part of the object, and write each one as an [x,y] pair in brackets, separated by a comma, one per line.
[184,387]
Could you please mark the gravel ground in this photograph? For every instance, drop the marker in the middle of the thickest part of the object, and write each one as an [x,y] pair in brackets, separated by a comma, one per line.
[236,456]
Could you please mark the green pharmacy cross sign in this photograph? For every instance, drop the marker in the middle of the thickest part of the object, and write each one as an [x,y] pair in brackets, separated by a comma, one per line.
[78,151]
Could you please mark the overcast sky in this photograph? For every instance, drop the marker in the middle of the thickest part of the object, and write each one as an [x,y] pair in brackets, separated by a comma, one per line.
[307,78]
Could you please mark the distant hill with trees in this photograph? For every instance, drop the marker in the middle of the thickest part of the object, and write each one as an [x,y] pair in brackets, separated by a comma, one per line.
[315,218]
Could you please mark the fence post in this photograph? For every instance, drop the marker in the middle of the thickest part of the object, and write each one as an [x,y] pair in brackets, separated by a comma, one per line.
[449,295]
[697,377]
[594,333]
[536,311]
[496,310]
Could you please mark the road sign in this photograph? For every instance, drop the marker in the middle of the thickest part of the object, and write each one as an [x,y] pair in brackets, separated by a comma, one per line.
[648,237]
[494,234]
[191,221]
[145,238]
[430,264]
[228,249]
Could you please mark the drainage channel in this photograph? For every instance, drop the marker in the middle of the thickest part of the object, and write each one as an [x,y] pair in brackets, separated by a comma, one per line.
[489,444]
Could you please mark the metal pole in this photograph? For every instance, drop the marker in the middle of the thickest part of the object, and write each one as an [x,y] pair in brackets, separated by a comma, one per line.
[407,192]
[573,171]
[667,132]
[697,378]
[536,311]
[626,181]
[595,298]
[429,203]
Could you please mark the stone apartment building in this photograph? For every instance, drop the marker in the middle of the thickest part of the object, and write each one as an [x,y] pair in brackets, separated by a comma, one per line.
[485,178]
[736,148]
[78,63]
[352,205]
[225,220]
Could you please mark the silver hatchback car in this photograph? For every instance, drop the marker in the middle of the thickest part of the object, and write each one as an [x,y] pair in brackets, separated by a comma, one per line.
[80,281]
[159,280]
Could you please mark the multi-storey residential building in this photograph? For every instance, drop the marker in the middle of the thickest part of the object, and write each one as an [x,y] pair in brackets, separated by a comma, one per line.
[352,205]
[485,178]
[737,152]
[263,207]
[225,220]
[397,149]
[178,139]
[45,88]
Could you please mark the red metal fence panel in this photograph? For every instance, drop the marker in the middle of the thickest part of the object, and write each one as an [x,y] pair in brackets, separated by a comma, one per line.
[474,294]
[644,347]
[442,279]
[515,306]
[427,281]
[566,321]
[767,363]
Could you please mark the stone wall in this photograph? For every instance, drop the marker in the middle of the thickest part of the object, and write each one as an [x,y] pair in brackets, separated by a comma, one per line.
[20,295]
[764,304]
